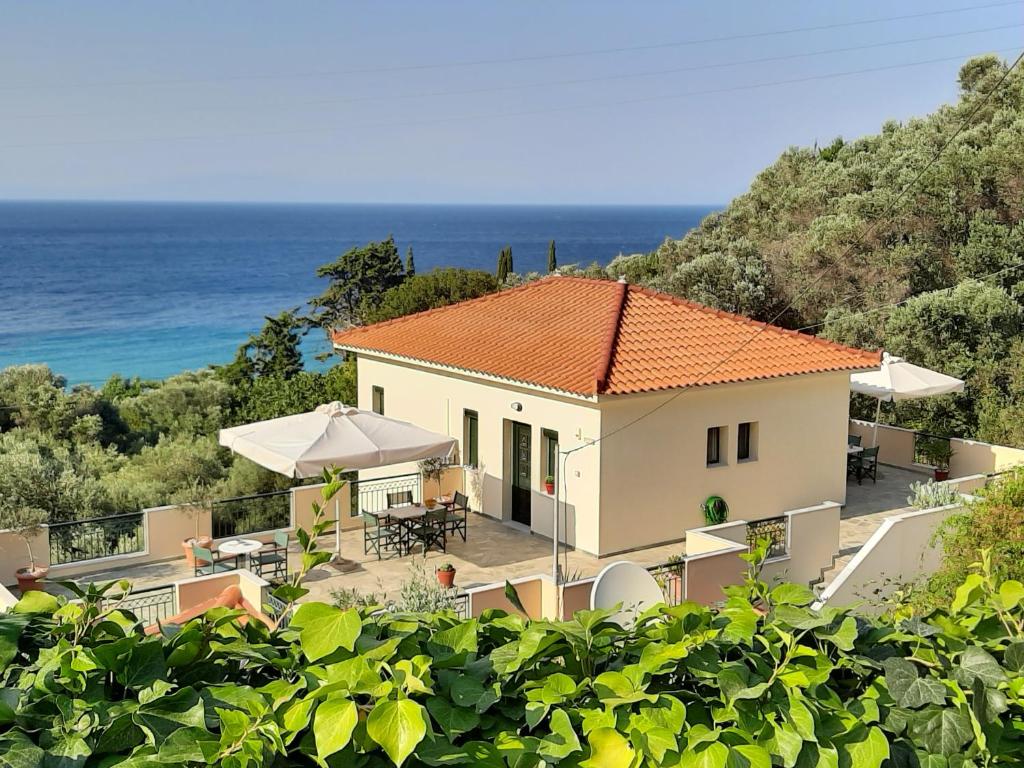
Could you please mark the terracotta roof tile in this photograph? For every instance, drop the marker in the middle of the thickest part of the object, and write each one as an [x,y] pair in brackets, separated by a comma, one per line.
[594,337]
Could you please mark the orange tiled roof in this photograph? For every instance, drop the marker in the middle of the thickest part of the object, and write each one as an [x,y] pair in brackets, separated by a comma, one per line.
[593,337]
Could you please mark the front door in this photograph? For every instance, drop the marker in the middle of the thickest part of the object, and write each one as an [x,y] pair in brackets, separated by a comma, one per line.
[521,473]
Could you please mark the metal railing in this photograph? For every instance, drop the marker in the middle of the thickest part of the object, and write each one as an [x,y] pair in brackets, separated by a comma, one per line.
[148,605]
[460,604]
[371,494]
[76,540]
[279,611]
[922,441]
[775,529]
[251,514]
[671,579]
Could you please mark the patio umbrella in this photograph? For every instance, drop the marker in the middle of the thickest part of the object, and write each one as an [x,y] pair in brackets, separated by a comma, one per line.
[334,435]
[899,380]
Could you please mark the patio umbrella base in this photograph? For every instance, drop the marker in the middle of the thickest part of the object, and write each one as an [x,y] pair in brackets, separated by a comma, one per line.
[344,565]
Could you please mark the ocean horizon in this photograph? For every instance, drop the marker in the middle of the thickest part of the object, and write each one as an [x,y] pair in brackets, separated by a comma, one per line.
[150,289]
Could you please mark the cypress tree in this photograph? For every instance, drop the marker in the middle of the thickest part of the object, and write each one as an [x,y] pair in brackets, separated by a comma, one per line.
[552,261]
[509,269]
[503,265]
[410,264]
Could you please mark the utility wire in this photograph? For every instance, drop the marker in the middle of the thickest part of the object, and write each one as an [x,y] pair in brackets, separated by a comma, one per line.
[821,274]
[521,59]
[533,85]
[503,115]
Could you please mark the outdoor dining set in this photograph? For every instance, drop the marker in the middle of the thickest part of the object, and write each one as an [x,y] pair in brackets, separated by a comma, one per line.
[266,560]
[407,526]
[861,462]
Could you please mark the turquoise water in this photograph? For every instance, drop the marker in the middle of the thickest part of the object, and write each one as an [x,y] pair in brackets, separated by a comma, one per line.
[150,289]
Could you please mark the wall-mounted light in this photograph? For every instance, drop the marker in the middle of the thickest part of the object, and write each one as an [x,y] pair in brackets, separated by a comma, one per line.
[517,407]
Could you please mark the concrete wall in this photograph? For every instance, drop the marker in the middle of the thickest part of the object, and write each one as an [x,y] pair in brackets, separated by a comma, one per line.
[655,477]
[813,545]
[899,552]
[970,457]
[531,591]
[436,401]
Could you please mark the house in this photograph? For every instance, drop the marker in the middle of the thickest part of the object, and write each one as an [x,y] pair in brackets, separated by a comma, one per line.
[661,403]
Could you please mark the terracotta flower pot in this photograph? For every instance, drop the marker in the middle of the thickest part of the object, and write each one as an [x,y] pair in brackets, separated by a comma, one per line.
[941,474]
[447,578]
[203,541]
[549,488]
[28,580]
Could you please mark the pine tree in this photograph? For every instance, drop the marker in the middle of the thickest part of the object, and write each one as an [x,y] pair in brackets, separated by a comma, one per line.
[552,261]
[503,265]
[410,264]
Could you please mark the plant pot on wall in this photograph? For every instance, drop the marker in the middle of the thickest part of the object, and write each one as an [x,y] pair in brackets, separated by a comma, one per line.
[549,485]
[202,541]
[29,578]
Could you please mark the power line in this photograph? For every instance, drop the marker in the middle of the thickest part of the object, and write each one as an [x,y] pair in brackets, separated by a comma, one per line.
[521,59]
[540,84]
[502,115]
[821,274]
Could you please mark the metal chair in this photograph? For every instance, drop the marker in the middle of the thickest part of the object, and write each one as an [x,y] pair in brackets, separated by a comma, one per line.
[381,535]
[399,499]
[206,562]
[456,521]
[272,559]
[429,531]
[853,439]
[867,464]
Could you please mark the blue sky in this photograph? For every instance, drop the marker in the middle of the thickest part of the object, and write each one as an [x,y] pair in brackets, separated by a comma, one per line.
[355,102]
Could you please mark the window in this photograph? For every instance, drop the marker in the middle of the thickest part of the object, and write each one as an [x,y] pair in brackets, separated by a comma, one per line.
[471,437]
[378,400]
[549,455]
[716,438]
[746,441]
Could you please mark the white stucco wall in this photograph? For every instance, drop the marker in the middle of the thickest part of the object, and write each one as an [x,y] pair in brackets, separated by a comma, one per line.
[436,400]
[655,476]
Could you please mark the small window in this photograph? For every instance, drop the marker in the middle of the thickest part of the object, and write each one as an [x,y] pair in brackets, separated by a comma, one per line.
[378,400]
[549,440]
[715,441]
[746,441]
[471,437]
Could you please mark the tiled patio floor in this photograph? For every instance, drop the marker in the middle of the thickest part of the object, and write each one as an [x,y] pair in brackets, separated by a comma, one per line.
[492,552]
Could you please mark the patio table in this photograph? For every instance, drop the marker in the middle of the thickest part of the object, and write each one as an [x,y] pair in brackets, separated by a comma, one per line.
[405,516]
[241,547]
[852,449]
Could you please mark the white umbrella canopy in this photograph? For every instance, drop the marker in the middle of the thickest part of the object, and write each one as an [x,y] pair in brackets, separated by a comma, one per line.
[334,435]
[899,380]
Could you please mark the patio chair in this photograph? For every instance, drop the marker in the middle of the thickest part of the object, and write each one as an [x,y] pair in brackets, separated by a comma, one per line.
[867,464]
[272,559]
[456,520]
[382,535]
[399,499]
[853,439]
[430,531]
[207,562]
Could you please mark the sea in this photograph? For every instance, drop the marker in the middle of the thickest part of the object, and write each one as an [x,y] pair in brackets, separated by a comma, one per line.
[151,289]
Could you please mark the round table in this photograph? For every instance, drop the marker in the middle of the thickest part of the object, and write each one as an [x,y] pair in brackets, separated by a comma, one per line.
[241,547]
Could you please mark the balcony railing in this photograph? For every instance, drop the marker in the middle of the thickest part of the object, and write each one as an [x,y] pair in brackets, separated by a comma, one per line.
[252,514]
[148,605]
[77,540]
[671,579]
[371,494]
[775,529]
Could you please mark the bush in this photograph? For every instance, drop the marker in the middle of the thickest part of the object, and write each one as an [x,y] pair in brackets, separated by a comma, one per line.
[765,680]
[929,495]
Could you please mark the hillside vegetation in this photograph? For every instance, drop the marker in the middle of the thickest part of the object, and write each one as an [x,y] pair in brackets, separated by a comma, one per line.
[826,210]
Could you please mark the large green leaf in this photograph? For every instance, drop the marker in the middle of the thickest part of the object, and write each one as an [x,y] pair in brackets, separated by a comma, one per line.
[161,717]
[398,726]
[910,689]
[868,751]
[608,749]
[976,662]
[714,755]
[748,756]
[18,751]
[562,741]
[333,723]
[454,721]
[1013,656]
[323,629]
[942,731]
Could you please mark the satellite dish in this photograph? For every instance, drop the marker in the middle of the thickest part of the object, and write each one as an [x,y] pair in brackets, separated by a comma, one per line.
[629,584]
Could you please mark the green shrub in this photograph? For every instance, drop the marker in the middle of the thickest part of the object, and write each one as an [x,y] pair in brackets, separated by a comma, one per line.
[764,680]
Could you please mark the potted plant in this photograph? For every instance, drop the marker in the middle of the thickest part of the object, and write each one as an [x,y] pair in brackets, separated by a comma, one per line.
[446,575]
[549,484]
[201,501]
[432,469]
[25,522]
[938,453]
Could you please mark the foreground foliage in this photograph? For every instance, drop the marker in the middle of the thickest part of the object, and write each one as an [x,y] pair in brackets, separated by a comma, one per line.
[688,686]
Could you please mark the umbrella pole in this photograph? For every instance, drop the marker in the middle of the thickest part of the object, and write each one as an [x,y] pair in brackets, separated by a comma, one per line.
[337,529]
[878,413]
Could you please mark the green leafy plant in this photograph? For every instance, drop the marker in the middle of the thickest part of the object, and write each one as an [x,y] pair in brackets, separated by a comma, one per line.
[23,520]
[433,469]
[446,567]
[929,494]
